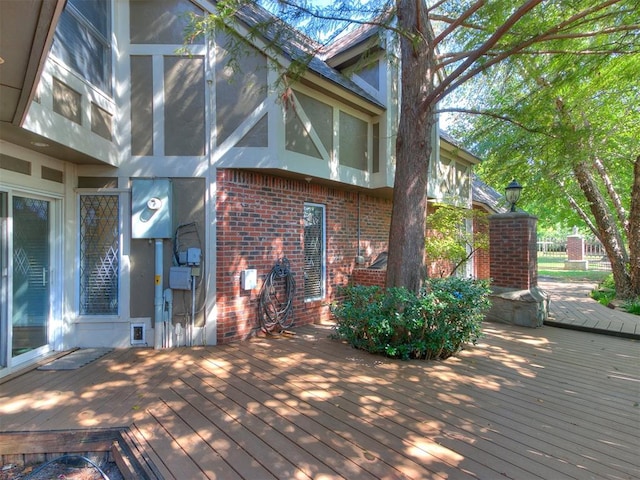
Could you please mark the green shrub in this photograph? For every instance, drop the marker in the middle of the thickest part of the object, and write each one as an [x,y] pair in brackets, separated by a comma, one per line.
[632,306]
[606,291]
[399,324]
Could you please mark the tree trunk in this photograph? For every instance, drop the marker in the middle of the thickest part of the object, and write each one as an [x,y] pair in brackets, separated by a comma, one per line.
[608,230]
[406,262]
[634,231]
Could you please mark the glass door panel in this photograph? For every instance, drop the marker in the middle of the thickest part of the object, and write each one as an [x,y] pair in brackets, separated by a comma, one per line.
[4,279]
[31,263]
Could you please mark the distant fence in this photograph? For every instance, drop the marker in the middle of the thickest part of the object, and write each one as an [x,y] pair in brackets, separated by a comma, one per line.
[556,249]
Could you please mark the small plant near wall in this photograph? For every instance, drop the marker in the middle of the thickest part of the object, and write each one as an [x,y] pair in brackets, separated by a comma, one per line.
[449,244]
[435,324]
[605,293]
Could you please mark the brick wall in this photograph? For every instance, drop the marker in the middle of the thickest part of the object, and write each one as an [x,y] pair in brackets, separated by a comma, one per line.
[575,248]
[366,277]
[441,267]
[481,257]
[513,239]
[259,220]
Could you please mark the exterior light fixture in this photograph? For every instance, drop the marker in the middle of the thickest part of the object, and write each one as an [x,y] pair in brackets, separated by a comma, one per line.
[512,194]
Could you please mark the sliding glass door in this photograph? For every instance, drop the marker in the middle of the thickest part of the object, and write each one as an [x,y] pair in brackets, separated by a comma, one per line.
[26,243]
[31,273]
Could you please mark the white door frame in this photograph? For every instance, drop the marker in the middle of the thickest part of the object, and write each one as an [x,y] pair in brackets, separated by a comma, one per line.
[55,322]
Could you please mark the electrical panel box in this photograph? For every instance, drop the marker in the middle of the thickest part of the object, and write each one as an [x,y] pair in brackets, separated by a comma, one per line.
[190,256]
[180,278]
[249,279]
[193,256]
[151,208]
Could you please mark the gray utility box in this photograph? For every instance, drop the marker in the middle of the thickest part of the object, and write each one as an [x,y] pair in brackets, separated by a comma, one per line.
[151,208]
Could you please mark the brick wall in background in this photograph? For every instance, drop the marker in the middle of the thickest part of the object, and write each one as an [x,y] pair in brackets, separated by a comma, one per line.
[366,277]
[481,264]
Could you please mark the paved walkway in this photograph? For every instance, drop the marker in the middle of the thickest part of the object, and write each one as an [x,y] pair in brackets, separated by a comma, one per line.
[572,307]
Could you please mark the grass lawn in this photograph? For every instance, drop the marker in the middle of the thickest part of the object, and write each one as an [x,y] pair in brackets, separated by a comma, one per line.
[553,267]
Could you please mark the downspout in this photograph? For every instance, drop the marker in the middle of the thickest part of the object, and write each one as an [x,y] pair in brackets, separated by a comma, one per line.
[358,250]
[158,300]
[359,257]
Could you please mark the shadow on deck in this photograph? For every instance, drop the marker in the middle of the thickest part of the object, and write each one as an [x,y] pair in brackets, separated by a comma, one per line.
[544,403]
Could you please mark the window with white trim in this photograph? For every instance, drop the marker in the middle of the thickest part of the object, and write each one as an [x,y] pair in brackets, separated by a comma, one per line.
[314,251]
[82,40]
[99,254]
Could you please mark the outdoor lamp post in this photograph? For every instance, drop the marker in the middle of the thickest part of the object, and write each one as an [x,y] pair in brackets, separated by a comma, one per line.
[512,194]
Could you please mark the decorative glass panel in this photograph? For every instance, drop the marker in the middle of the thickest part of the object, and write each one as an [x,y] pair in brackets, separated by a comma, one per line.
[99,254]
[31,264]
[314,257]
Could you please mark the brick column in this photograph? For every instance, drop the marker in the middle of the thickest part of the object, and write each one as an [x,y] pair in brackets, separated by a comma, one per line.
[512,250]
[575,248]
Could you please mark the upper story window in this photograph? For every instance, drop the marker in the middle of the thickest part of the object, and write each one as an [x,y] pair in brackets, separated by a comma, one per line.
[82,40]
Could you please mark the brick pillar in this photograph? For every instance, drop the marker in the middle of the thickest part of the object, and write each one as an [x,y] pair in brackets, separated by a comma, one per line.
[575,248]
[512,250]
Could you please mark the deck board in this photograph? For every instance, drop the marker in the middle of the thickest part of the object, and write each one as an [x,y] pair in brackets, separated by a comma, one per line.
[251,452]
[408,430]
[335,430]
[522,403]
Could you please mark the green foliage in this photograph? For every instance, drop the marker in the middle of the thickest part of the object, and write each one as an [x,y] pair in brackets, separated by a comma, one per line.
[400,324]
[605,292]
[632,306]
[450,240]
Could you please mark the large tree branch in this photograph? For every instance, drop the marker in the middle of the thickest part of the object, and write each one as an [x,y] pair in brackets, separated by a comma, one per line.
[456,57]
[576,207]
[583,215]
[458,76]
[448,20]
[605,31]
[458,21]
[615,198]
[446,83]
[496,116]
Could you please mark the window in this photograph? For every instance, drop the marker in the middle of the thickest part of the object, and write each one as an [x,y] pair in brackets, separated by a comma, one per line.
[314,251]
[99,254]
[82,40]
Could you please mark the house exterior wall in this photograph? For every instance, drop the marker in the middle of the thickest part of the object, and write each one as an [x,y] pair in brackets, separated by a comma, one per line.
[237,154]
[259,220]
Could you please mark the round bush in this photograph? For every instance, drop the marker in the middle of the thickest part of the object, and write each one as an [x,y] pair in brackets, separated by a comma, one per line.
[397,323]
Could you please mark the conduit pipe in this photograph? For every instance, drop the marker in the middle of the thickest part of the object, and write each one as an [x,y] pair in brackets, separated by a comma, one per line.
[168,317]
[158,301]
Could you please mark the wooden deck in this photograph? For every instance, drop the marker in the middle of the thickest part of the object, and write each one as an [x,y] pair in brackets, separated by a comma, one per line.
[547,403]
